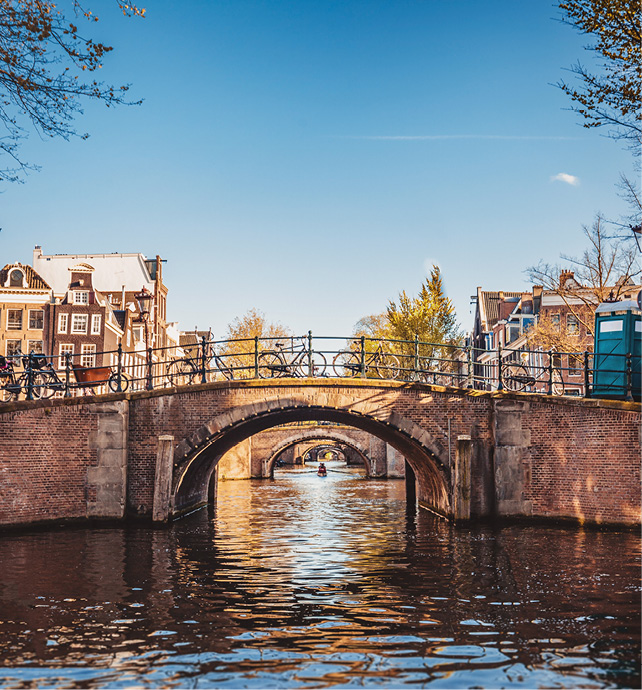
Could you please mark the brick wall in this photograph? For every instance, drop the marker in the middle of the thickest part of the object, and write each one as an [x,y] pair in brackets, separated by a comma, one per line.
[561,457]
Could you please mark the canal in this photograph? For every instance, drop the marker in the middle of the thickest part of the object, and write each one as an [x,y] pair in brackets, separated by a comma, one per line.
[308,582]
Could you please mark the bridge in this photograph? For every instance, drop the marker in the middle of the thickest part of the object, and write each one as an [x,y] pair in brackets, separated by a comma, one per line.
[470,454]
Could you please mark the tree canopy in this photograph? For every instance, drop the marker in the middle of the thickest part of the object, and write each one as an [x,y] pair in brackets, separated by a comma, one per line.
[46,63]
[609,95]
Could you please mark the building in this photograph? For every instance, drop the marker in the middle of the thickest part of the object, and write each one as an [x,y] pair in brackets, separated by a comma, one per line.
[24,295]
[119,278]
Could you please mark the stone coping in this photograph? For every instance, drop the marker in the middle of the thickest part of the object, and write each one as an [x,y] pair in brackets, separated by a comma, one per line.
[280,383]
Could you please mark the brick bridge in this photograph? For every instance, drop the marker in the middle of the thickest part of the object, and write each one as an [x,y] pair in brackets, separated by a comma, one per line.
[473,454]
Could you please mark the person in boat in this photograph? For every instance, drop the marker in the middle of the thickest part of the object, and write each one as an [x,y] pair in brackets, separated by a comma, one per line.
[322,470]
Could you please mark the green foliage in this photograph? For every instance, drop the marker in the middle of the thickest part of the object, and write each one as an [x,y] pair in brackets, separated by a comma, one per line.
[610,95]
[430,316]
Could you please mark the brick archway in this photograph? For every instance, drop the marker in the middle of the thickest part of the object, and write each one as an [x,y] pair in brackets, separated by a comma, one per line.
[196,457]
[317,435]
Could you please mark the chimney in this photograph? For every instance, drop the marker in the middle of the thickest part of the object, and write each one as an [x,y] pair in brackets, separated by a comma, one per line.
[37,253]
[565,276]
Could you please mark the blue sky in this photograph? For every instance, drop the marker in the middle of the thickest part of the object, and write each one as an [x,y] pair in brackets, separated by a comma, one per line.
[312,159]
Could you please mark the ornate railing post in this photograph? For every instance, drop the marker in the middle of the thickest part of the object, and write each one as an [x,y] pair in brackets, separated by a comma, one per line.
[500,369]
[119,369]
[362,362]
[67,375]
[415,373]
[149,374]
[30,376]
[550,372]
[469,367]
[310,364]
[629,376]
[586,374]
[203,360]
[256,356]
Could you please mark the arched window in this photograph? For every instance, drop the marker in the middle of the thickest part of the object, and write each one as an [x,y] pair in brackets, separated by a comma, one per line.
[15,278]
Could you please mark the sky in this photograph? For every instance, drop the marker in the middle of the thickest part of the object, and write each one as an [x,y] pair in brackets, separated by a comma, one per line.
[314,158]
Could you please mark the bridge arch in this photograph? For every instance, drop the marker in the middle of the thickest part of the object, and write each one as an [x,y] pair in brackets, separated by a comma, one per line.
[318,435]
[196,457]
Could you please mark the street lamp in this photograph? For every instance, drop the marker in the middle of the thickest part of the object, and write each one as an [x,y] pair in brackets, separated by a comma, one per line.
[145,299]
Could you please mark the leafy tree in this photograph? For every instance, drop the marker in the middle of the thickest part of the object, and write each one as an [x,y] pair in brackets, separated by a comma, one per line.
[430,316]
[238,352]
[605,270]
[611,95]
[45,63]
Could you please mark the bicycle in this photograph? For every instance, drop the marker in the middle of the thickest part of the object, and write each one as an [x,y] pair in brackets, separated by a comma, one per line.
[347,363]
[516,376]
[291,362]
[15,384]
[183,371]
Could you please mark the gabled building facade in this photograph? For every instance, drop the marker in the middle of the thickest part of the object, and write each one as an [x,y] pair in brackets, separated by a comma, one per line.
[24,295]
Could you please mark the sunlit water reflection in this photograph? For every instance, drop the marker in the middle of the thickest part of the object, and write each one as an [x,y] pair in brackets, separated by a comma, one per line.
[315,582]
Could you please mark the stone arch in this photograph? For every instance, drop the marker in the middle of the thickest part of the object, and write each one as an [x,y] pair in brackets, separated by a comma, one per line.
[317,435]
[196,457]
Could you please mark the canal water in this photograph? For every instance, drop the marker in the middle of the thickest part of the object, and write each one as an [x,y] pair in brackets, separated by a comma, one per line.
[308,582]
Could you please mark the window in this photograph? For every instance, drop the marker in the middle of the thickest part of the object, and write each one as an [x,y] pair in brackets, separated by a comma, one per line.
[88,356]
[572,324]
[95,324]
[79,323]
[557,361]
[36,319]
[81,297]
[555,322]
[14,319]
[64,350]
[575,365]
[35,346]
[15,278]
[63,323]
[13,347]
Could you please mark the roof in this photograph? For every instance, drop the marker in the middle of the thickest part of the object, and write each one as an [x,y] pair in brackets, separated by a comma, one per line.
[193,337]
[489,306]
[119,315]
[34,280]
[111,271]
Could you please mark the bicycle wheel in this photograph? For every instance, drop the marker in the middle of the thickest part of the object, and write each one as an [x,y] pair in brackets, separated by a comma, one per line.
[181,372]
[271,365]
[114,378]
[319,365]
[557,382]
[515,376]
[387,366]
[9,391]
[346,364]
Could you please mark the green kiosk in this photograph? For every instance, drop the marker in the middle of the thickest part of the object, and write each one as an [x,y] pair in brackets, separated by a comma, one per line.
[618,332]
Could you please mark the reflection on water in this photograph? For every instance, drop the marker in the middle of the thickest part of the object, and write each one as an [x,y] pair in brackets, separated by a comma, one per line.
[316,582]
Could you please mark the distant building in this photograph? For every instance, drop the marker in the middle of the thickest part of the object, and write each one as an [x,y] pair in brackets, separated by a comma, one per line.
[119,278]
[23,297]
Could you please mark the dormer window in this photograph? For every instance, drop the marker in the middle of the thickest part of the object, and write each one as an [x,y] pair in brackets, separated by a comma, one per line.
[81,297]
[16,278]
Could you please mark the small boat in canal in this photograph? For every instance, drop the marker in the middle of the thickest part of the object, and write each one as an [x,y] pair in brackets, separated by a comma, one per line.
[322,471]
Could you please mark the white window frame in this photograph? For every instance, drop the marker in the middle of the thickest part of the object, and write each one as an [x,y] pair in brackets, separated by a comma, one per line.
[12,340]
[95,324]
[9,326]
[87,355]
[569,319]
[76,320]
[35,346]
[36,328]
[81,297]
[63,323]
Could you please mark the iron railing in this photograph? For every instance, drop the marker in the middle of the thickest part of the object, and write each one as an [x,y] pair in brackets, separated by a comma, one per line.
[36,376]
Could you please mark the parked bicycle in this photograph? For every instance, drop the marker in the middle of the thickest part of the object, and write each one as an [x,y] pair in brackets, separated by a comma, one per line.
[517,376]
[347,363]
[188,369]
[30,381]
[291,361]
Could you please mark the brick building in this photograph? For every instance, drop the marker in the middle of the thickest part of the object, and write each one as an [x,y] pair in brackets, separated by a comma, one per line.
[23,298]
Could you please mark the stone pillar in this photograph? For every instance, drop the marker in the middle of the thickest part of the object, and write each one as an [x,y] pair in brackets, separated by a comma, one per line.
[378,457]
[163,479]
[462,479]
[395,463]
[108,478]
[512,458]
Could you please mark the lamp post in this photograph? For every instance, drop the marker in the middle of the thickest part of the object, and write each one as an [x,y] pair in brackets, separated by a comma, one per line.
[145,299]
